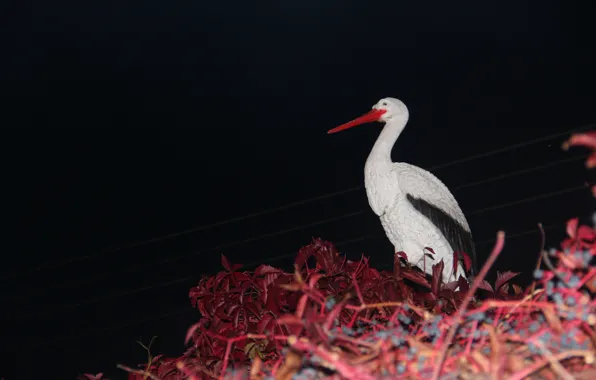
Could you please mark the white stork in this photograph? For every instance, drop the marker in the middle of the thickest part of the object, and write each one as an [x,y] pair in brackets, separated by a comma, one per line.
[416,208]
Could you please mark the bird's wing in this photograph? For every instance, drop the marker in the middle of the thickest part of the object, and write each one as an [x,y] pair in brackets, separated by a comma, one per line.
[429,196]
[421,184]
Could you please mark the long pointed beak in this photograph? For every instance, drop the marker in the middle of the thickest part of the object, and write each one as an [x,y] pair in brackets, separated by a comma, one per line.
[369,117]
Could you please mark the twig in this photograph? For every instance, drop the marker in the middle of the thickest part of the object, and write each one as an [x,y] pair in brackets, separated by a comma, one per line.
[539,262]
[182,367]
[332,359]
[557,367]
[464,305]
[358,292]
[538,365]
[522,301]
[230,342]
[149,356]
[547,261]
[138,372]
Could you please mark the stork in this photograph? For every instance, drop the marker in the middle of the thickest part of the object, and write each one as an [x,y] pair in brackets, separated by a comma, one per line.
[416,209]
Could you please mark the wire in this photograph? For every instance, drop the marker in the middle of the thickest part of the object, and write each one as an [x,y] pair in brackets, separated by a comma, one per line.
[519,234]
[182,310]
[190,278]
[179,233]
[523,171]
[513,147]
[529,199]
[177,281]
[508,237]
[275,209]
[33,346]
[136,268]
[102,276]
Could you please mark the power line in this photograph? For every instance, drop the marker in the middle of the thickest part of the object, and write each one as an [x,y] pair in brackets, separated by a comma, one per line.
[508,237]
[177,281]
[182,310]
[529,199]
[180,233]
[513,147]
[37,345]
[522,171]
[521,234]
[168,259]
[181,280]
[276,209]
[102,276]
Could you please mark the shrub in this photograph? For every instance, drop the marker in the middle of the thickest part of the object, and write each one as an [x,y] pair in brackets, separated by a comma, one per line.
[339,319]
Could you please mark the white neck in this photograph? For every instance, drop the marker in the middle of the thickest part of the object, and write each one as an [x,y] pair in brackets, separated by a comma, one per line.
[381,151]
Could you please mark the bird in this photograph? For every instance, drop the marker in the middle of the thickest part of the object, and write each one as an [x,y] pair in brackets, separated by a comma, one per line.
[416,209]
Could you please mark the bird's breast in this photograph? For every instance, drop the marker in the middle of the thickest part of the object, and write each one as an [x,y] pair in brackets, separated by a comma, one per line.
[382,189]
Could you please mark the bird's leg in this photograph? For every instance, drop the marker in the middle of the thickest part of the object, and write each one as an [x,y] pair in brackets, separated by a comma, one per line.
[415,255]
[397,248]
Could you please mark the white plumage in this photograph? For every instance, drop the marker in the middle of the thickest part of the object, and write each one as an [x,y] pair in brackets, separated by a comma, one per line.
[416,209]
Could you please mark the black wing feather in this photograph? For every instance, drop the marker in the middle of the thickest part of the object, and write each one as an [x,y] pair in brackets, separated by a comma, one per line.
[457,236]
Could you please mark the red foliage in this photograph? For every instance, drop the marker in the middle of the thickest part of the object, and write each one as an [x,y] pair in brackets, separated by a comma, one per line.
[343,319]
[258,312]
[360,323]
[587,140]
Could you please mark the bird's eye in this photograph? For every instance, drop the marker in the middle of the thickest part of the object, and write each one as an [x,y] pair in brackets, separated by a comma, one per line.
[384,104]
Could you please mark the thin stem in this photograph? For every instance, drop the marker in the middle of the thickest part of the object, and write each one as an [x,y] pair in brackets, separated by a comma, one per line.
[451,334]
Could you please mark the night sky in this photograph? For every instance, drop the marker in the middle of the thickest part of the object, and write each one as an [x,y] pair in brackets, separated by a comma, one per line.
[124,122]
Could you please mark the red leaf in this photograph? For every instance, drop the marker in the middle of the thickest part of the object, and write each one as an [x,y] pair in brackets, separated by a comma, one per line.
[254,308]
[466,259]
[455,266]
[99,376]
[591,161]
[415,276]
[437,276]
[572,227]
[301,306]
[485,286]
[503,278]
[447,294]
[191,331]
[335,312]
[402,254]
[226,263]
[504,290]
[241,276]
[370,274]
[451,285]
[587,139]
[586,233]
[591,284]
[235,314]
[266,269]
[429,256]
[430,249]
[266,320]
[464,285]
[312,281]
[307,251]
[221,311]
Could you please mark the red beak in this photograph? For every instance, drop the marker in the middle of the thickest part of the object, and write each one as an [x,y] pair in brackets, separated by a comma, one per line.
[369,117]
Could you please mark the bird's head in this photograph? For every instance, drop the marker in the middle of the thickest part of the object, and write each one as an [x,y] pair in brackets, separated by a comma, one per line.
[386,109]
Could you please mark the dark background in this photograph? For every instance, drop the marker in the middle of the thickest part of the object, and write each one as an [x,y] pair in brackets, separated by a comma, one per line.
[126,121]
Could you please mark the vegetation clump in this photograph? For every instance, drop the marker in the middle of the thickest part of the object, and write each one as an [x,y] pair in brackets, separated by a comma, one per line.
[333,318]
